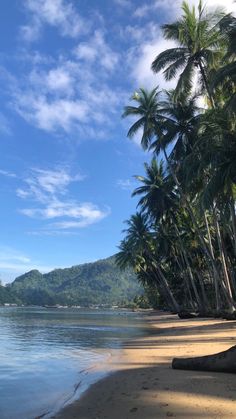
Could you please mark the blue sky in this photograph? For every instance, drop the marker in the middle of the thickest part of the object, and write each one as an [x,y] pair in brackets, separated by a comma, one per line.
[67,68]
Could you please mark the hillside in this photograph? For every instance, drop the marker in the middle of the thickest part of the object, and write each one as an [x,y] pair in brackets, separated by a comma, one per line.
[7,296]
[99,282]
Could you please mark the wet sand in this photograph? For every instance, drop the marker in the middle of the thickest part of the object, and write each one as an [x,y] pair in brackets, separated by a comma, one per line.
[142,384]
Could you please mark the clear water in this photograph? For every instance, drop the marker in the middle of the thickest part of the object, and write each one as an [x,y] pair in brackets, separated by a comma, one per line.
[46,355]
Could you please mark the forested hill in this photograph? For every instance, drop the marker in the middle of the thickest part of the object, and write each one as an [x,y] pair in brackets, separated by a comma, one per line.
[100,282]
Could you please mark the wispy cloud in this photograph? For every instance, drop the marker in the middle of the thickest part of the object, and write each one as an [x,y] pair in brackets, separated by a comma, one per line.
[14,263]
[173,9]
[7,174]
[97,49]
[57,13]
[141,56]
[145,54]
[123,3]
[126,184]
[48,191]
[5,127]
[71,93]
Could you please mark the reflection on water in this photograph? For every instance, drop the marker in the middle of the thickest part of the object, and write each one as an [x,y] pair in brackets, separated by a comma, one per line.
[46,352]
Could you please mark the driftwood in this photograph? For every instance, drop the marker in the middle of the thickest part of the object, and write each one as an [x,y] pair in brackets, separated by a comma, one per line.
[221,362]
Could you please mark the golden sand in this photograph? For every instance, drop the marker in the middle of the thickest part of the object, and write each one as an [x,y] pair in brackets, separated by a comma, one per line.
[142,384]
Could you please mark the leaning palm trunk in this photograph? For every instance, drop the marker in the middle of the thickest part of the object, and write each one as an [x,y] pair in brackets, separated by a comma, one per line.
[204,77]
[186,281]
[199,303]
[203,292]
[207,251]
[163,281]
[233,218]
[167,288]
[162,287]
[223,262]
[215,275]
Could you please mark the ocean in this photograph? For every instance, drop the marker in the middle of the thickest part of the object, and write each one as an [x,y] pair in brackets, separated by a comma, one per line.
[47,355]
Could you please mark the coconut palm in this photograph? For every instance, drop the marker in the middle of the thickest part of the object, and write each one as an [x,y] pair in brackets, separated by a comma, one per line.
[226,75]
[199,44]
[138,250]
[156,190]
[147,112]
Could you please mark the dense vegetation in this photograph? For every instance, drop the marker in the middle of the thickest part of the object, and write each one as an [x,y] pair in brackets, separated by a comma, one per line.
[182,240]
[99,282]
[7,296]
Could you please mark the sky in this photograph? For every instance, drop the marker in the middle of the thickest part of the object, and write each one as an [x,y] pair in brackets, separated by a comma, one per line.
[67,69]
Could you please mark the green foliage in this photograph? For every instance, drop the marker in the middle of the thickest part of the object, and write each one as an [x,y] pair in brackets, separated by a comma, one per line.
[99,282]
[182,242]
[7,296]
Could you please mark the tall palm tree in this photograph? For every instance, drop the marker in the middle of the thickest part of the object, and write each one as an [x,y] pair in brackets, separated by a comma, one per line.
[199,46]
[147,111]
[226,75]
[159,200]
[139,246]
[154,121]
[157,195]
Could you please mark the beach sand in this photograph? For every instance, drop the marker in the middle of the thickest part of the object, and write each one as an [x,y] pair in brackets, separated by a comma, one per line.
[142,384]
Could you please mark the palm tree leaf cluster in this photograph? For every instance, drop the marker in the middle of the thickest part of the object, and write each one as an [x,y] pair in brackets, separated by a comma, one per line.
[182,240]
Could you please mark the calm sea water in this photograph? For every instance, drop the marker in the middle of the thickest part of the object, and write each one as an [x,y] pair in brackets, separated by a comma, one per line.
[46,355]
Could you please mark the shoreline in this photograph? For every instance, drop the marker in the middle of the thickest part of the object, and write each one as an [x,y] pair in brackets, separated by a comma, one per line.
[140,382]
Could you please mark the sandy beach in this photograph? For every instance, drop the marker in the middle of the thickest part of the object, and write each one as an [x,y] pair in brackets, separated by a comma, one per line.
[142,384]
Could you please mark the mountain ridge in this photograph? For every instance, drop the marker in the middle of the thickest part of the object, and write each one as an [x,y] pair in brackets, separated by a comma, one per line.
[99,282]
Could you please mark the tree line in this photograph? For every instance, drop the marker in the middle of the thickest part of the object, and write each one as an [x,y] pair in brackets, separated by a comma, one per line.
[182,239]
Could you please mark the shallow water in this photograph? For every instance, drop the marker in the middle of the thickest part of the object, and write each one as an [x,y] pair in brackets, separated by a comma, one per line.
[46,355]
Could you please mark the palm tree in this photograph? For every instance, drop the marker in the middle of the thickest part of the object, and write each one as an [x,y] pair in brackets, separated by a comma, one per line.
[199,46]
[147,110]
[180,125]
[156,190]
[159,200]
[155,121]
[138,251]
[226,75]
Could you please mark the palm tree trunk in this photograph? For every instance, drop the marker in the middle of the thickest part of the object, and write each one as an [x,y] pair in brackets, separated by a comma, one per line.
[215,277]
[203,291]
[202,71]
[233,220]
[208,255]
[199,303]
[223,262]
[182,270]
[169,292]
[163,289]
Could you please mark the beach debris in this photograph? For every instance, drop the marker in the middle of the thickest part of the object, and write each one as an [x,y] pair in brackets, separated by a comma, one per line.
[221,362]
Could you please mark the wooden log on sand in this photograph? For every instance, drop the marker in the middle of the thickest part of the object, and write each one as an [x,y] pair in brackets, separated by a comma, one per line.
[221,362]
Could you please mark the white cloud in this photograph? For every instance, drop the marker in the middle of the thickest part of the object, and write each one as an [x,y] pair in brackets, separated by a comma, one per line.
[173,9]
[126,184]
[59,79]
[7,174]
[71,94]
[45,188]
[141,68]
[97,49]
[51,114]
[14,263]
[142,56]
[42,182]
[4,125]
[32,31]
[123,3]
[57,13]
[140,33]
